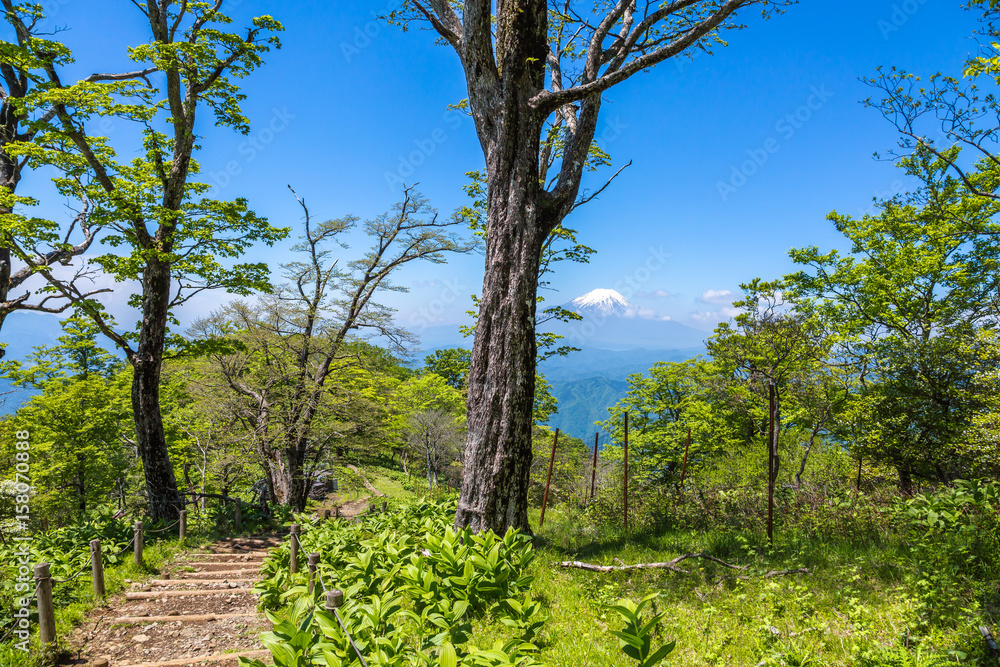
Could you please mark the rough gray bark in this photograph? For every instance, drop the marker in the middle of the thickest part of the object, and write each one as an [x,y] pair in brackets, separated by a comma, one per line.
[512,109]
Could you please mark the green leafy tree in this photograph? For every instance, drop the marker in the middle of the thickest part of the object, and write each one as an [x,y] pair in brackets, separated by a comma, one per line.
[452,364]
[430,419]
[297,340]
[768,348]
[29,244]
[662,405]
[912,313]
[173,238]
[78,422]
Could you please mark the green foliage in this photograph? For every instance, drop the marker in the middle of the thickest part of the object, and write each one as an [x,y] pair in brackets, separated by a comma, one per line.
[452,364]
[405,574]
[954,537]
[909,315]
[636,637]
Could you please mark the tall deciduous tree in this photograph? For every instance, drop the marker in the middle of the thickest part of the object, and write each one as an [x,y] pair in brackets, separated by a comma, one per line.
[172,235]
[914,314]
[28,244]
[296,339]
[535,75]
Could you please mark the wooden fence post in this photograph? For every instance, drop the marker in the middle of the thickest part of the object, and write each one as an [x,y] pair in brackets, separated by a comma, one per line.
[239,515]
[137,552]
[182,526]
[313,564]
[46,611]
[545,498]
[97,568]
[334,599]
[293,561]
[384,505]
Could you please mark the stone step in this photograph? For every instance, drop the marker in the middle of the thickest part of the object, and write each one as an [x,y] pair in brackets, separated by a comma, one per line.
[219,657]
[221,573]
[176,594]
[172,582]
[190,618]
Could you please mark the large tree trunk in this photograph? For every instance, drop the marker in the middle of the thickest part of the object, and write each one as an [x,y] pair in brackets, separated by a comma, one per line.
[494,493]
[289,477]
[161,485]
[502,375]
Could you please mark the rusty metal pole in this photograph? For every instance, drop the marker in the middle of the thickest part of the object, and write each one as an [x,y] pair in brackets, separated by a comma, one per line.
[857,487]
[593,470]
[545,498]
[626,471]
[770,464]
[684,466]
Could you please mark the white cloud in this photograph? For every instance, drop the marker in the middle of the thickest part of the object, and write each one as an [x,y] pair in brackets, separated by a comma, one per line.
[716,316]
[717,296]
[655,294]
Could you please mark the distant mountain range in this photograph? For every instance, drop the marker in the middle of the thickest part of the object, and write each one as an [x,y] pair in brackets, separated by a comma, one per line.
[616,339]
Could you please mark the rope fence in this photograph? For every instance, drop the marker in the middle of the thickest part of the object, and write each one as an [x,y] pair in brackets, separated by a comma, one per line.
[45,582]
[333,597]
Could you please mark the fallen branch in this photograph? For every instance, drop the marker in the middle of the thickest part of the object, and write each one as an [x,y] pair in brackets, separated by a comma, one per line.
[668,565]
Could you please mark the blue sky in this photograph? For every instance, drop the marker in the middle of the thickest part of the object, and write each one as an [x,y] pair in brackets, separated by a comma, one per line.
[350,105]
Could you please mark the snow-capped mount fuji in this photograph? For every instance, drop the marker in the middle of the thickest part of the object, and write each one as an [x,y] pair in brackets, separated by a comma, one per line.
[612,322]
[601,301]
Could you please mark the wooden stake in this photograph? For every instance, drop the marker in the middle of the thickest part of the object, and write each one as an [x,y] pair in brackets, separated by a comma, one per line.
[137,551]
[626,471]
[46,610]
[97,569]
[239,515]
[182,526]
[857,488]
[545,498]
[313,565]
[593,470]
[293,561]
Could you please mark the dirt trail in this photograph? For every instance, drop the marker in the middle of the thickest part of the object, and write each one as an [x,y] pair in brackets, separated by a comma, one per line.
[199,612]
[365,481]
